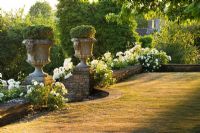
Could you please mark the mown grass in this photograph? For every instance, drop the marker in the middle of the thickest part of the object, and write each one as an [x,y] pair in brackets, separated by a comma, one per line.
[150,103]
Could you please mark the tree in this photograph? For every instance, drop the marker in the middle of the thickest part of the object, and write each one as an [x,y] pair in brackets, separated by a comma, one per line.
[41,8]
[111,36]
[174,9]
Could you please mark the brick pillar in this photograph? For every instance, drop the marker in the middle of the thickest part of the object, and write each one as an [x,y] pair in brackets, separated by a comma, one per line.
[78,85]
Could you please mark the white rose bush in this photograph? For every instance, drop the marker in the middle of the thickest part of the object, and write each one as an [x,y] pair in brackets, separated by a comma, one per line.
[9,89]
[49,96]
[64,71]
[152,59]
[37,94]
[103,75]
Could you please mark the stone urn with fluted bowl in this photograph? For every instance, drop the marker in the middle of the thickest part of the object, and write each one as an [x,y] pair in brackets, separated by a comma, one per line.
[83,40]
[38,41]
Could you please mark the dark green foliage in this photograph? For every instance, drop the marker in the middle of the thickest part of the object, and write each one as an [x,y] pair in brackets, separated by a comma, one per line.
[110,36]
[38,32]
[57,58]
[180,53]
[12,53]
[83,31]
[146,41]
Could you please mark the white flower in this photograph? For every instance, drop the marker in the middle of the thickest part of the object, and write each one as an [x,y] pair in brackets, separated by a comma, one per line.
[68,75]
[11,86]
[61,69]
[0,75]
[128,53]
[119,53]
[1,95]
[28,87]
[56,76]
[42,84]
[35,83]
[30,90]
[4,83]
[148,65]
[107,55]
[11,81]
[106,75]
[94,63]
[56,70]
[115,60]
[16,86]
[169,57]
[21,94]
[156,60]
[68,65]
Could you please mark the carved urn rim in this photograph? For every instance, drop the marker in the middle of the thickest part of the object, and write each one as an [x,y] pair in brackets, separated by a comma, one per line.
[83,40]
[38,41]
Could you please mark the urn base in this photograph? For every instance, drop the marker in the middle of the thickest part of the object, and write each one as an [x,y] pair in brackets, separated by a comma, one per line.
[46,79]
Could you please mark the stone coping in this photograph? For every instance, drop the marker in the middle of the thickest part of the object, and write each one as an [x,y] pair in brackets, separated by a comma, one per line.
[124,73]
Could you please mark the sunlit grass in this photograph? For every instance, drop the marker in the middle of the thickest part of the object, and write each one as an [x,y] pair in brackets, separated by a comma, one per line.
[151,102]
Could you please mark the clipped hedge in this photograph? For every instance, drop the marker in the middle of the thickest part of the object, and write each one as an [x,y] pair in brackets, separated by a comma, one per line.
[83,31]
[38,32]
[146,41]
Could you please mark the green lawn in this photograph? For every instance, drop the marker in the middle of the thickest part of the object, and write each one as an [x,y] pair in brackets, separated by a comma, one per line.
[150,102]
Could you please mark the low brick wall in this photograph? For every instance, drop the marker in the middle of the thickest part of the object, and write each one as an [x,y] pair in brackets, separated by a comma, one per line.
[179,68]
[126,72]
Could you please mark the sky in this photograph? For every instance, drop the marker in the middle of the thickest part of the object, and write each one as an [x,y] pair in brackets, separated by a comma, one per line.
[8,5]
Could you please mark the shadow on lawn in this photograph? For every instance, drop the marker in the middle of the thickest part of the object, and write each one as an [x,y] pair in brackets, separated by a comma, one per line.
[182,118]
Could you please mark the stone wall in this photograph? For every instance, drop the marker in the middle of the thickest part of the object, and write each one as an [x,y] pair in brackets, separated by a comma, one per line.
[126,72]
[78,85]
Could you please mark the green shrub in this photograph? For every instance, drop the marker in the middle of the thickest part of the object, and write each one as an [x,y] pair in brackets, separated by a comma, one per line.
[83,31]
[177,42]
[38,32]
[146,41]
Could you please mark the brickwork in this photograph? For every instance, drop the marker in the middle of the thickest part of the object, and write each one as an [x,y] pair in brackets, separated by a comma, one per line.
[78,85]
[126,72]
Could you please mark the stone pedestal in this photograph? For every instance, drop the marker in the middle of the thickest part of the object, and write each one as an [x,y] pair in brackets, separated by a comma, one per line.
[47,79]
[78,85]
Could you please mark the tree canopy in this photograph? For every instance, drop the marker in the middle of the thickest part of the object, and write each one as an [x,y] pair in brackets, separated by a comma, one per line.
[174,9]
[40,8]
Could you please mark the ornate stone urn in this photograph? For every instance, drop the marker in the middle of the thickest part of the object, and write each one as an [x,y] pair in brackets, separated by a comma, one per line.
[83,48]
[83,39]
[38,53]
